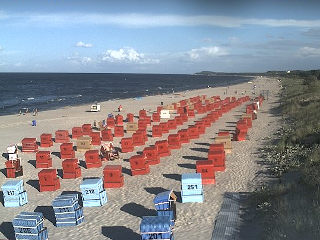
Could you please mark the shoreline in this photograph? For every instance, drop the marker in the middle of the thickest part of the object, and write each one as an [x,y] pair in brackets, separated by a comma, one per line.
[155,93]
[125,207]
[133,98]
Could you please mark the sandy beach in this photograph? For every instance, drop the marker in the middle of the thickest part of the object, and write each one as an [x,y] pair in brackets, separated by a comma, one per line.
[120,217]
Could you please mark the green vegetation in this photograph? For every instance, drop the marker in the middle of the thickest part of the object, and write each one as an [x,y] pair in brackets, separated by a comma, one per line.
[289,208]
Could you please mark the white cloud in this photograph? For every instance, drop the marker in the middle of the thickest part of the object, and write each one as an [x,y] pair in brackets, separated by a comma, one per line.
[205,52]
[82,44]
[148,20]
[123,54]
[76,58]
[309,51]
[281,22]
[86,59]
[126,55]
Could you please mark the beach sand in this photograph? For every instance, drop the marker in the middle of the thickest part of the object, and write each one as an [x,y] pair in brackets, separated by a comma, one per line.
[120,217]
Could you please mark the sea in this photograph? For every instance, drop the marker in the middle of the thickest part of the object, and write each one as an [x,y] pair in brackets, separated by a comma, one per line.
[45,91]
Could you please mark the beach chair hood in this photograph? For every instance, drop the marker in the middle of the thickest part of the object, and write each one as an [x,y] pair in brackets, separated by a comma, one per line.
[162,200]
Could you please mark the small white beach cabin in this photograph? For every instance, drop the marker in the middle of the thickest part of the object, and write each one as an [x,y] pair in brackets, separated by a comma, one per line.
[95,108]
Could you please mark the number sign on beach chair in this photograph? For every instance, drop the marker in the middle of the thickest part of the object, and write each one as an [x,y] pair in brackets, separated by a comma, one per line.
[29,225]
[67,210]
[13,193]
[156,227]
[93,193]
[191,187]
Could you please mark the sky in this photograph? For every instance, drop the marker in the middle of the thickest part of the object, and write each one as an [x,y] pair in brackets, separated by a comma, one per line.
[167,36]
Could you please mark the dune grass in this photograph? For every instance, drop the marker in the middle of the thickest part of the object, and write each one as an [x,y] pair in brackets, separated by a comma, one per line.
[289,208]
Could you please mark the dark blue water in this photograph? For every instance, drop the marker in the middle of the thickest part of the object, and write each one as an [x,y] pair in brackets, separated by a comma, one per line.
[54,90]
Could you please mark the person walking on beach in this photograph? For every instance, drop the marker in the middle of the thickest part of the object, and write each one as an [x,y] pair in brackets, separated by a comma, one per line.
[35,112]
[120,108]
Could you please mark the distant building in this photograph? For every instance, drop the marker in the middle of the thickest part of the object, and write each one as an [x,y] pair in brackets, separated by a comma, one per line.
[288,71]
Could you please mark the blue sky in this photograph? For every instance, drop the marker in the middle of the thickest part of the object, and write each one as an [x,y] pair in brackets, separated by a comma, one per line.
[182,36]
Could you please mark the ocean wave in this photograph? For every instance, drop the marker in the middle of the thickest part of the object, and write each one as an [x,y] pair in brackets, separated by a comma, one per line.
[35,101]
[50,91]
[9,103]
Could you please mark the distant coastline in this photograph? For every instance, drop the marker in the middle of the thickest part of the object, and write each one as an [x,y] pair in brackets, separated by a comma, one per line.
[209,73]
[268,73]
